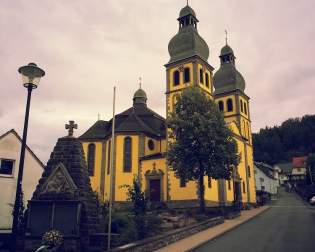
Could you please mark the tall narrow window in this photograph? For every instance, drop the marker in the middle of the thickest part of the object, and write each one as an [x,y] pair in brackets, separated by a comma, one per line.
[108,156]
[186,74]
[229,105]
[91,159]
[245,108]
[244,189]
[176,78]
[127,154]
[209,182]
[221,106]
[229,185]
[182,182]
[248,133]
[201,76]
[242,110]
[207,80]
[249,174]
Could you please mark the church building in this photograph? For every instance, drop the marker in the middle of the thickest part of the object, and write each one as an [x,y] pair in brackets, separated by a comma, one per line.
[141,134]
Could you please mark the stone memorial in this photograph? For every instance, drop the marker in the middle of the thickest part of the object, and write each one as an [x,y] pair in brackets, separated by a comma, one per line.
[63,199]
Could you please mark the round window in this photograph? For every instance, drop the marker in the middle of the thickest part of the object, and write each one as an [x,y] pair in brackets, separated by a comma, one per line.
[151,144]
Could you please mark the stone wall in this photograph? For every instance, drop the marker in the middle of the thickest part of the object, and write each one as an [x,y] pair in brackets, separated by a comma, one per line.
[163,240]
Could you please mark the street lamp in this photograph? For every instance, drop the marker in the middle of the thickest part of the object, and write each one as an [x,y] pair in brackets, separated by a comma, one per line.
[31,75]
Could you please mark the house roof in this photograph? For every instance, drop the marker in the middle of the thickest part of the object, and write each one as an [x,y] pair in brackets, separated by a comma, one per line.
[298,162]
[286,168]
[12,131]
[265,168]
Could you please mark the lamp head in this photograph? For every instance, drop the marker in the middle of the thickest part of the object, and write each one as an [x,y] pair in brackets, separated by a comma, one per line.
[31,75]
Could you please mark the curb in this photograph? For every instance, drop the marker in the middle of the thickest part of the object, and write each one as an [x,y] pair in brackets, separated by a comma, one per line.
[228,230]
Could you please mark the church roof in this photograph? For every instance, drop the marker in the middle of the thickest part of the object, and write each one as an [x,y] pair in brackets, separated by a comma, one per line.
[227,78]
[139,119]
[187,42]
[187,10]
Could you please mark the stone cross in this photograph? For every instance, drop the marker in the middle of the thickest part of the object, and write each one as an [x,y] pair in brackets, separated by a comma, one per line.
[70,128]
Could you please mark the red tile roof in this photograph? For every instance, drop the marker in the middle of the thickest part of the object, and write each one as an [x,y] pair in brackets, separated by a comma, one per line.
[299,161]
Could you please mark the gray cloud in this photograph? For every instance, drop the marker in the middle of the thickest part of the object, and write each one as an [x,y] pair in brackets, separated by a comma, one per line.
[88,47]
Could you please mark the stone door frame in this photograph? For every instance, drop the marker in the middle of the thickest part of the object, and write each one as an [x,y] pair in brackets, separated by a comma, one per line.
[154,175]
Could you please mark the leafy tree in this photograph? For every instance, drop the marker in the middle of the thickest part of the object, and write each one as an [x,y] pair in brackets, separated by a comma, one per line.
[201,144]
[137,197]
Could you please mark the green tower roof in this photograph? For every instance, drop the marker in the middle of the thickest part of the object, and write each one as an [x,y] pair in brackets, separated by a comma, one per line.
[187,10]
[227,78]
[140,97]
[187,42]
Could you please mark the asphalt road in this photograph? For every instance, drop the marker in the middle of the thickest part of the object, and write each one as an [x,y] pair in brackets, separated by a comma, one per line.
[288,226]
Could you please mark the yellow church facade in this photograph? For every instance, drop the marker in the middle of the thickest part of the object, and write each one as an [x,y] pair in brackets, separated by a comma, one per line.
[141,134]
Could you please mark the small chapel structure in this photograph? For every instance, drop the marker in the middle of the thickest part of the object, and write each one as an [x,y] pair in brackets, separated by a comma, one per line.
[141,134]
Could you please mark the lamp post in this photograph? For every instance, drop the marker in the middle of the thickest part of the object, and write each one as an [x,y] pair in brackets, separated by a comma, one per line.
[31,75]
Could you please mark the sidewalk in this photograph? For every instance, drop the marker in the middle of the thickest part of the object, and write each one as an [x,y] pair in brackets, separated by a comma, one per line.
[211,233]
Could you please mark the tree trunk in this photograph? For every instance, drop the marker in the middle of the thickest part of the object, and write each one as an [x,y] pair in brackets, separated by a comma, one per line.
[201,191]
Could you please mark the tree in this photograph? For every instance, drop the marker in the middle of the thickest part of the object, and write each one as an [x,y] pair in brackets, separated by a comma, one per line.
[137,197]
[310,166]
[200,143]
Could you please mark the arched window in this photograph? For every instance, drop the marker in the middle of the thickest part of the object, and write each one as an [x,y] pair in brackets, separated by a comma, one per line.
[186,74]
[176,78]
[245,108]
[244,188]
[229,105]
[229,185]
[209,182]
[91,159]
[182,182]
[242,110]
[207,79]
[108,156]
[127,154]
[201,76]
[248,132]
[221,106]
[244,129]
[248,168]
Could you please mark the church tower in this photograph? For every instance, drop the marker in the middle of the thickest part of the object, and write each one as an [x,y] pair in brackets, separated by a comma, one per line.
[188,64]
[230,96]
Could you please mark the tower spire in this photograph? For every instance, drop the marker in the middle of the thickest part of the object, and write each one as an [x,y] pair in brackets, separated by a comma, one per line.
[226,37]
[187,3]
[140,82]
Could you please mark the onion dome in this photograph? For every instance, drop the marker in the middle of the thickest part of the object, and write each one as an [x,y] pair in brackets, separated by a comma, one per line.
[227,78]
[140,97]
[187,10]
[187,42]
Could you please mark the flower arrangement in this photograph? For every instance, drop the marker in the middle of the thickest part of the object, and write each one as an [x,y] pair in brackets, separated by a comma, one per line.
[52,238]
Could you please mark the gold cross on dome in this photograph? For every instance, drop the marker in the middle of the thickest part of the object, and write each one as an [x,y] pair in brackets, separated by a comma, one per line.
[70,128]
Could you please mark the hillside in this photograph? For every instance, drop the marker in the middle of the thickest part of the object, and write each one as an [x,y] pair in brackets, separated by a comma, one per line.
[294,137]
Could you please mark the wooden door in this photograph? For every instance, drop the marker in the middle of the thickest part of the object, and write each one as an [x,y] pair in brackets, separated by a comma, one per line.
[155,190]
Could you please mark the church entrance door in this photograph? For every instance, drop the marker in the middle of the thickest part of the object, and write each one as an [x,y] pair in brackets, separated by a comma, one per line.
[155,190]
[237,193]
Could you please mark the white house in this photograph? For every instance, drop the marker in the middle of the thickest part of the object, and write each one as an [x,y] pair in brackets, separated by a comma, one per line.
[10,146]
[299,168]
[266,178]
[285,172]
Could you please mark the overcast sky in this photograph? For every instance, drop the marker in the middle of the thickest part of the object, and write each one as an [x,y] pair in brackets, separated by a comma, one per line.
[87,47]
